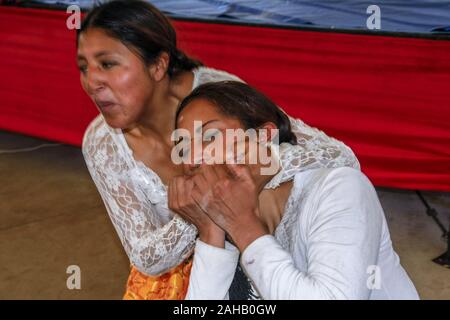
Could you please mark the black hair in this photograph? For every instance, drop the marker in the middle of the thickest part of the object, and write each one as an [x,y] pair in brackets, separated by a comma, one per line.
[142,28]
[240,101]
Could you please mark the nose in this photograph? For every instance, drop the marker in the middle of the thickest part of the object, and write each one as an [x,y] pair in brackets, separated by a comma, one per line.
[94,81]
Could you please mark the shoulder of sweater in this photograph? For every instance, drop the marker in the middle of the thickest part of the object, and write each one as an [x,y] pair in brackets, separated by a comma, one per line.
[343,184]
[332,176]
[207,74]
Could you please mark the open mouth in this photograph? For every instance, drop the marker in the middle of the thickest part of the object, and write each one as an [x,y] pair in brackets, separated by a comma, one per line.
[105,104]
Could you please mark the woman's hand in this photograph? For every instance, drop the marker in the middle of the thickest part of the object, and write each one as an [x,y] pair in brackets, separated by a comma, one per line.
[228,194]
[180,200]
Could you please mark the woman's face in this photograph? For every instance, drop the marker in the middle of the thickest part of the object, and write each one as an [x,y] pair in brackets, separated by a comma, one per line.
[203,121]
[115,78]
[221,137]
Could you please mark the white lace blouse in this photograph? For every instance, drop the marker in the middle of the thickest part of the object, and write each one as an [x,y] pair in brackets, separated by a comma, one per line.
[154,238]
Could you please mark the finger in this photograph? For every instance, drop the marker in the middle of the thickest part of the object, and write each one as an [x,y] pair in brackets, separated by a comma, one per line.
[183,191]
[173,194]
[221,171]
[232,170]
[177,192]
[200,183]
[238,172]
[210,175]
[200,199]
[169,194]
[188,186]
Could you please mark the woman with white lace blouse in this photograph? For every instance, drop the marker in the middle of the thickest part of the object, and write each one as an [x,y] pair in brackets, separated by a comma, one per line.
[133,71]
[321,236]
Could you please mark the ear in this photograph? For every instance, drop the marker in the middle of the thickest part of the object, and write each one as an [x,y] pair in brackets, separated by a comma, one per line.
[158,69]
[267,132]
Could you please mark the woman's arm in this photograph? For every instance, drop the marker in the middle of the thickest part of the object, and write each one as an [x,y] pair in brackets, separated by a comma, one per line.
[342,242]
[321,150]
[314,150]
[212,271]
[153,241]
[215,259]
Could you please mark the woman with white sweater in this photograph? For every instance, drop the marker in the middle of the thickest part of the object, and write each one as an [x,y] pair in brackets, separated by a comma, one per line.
[321,236]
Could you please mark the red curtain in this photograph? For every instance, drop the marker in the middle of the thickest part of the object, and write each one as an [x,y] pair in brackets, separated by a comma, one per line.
[388,98]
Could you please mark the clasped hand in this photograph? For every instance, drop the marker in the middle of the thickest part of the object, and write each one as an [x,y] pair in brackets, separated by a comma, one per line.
[219,199]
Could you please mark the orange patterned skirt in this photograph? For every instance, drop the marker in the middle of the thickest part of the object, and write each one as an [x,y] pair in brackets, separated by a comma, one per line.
[171,285]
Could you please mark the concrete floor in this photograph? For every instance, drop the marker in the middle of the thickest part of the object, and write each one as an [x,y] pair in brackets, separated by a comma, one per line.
[51,217]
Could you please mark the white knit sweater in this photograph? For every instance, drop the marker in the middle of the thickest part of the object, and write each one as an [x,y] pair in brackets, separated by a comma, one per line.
[332,243]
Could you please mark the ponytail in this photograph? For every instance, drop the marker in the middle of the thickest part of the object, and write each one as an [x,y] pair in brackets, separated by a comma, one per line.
[180,62]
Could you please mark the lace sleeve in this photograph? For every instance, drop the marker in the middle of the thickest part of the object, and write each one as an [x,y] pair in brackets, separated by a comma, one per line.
[321,150]
[154,239]
[314,150]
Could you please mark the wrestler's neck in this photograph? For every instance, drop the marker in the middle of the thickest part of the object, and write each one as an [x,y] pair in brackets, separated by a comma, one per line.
[157,120]
[272,203]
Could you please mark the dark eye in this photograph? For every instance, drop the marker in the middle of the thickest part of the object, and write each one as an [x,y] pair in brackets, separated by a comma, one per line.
[107,65]
[211,135]
[82,69]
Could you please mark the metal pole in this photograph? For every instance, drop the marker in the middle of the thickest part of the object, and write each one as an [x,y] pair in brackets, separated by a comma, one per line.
[443,259]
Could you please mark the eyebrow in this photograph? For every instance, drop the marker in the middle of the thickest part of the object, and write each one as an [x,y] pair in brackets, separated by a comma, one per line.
[206,123]
[198,130]
[97,55]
